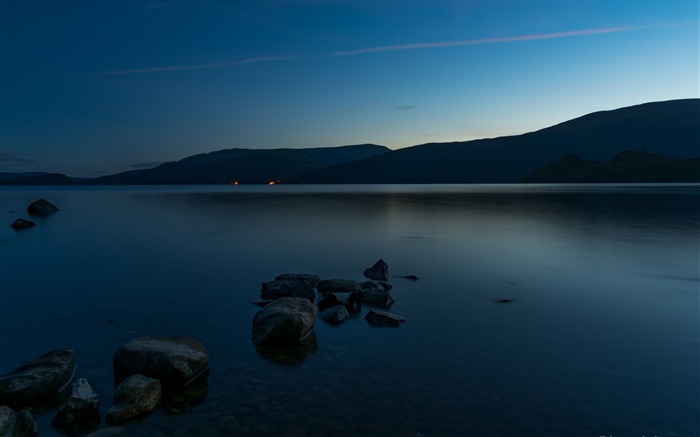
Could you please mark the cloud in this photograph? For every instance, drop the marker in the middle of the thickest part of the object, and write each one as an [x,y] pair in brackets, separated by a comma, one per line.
[145,165]
[189,67]
[432,45]
[405,107]
[11,161]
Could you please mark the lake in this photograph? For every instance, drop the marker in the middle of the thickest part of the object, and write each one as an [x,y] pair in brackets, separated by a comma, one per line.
[601,337]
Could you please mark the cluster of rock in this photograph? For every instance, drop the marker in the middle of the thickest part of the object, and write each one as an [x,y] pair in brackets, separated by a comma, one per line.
[292,302]
[144,369]
[39,208]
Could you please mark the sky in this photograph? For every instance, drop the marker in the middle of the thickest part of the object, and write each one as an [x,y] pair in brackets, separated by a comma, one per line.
[90,88]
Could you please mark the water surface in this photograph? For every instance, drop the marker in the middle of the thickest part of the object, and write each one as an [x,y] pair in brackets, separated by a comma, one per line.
[601,337]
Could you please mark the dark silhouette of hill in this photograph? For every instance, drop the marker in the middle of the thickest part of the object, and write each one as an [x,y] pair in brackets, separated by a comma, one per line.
[671,128]
[4,175]
[627,166]
[38,179]
[243,165]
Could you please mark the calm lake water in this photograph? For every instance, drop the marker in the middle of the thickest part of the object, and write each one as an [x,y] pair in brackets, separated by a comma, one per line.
[601,339]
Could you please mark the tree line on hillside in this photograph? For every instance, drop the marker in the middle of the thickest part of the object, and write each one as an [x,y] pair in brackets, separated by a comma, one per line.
[627,166]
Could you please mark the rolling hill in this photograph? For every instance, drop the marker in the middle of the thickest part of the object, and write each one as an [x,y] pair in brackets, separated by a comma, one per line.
[671,128]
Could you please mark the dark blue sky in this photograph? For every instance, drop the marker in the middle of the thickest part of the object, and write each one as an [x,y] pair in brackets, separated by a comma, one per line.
[95,87]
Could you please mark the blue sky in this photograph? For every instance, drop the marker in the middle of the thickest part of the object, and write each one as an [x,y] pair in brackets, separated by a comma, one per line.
[98,87]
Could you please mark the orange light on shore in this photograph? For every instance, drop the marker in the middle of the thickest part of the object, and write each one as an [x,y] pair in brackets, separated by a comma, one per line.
[235,182]
[271,183]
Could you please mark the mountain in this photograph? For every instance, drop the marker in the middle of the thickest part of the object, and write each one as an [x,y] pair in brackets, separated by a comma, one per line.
[38,179]
[671,128]
[243,165]
[4,175]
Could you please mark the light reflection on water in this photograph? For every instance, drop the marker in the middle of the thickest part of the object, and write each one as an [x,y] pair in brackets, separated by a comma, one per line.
[601,337]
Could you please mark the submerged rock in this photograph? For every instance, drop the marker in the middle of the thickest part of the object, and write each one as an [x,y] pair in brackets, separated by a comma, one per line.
[136,395]
[286,321]
[38,382]
[41,207]
[379,271]
[172,360]
[81,410]
[14,424]
[22,224]
[383,318]
[335,314]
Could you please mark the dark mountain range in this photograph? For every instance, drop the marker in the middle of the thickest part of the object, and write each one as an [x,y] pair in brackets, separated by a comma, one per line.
[4,175]
[671,128]
[243,165]
[39,179]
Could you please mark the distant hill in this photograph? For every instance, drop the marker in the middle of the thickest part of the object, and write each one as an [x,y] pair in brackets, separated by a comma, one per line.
[627,166]
[38,179]
[4,175]
[243,165]
[671,128]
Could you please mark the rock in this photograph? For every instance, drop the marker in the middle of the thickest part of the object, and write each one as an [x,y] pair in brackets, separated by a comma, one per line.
[338,286]
[336,314]
[289,286]
[411,277]
[379,271]
[20,224]
[376,285]
[313,280]
[327,301]
[13,424]
[38,382]
[377,297]
[41,207]
[81,410]
[376,293]
[504,300]
[136,395]
[172,360]
[382,318]
[286,321]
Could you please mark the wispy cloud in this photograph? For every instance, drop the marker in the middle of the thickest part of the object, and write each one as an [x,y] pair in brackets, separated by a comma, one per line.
[11,161]
[432,45]
[189,67]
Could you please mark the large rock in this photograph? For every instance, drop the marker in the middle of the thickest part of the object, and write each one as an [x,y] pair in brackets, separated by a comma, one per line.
[338,286]
[20,224]
[379,271]
[38,382]
[173,360]
[382,318]
[286,321]
[41,207]
[13,424]
[136,395]
[81,410]
[290,286]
